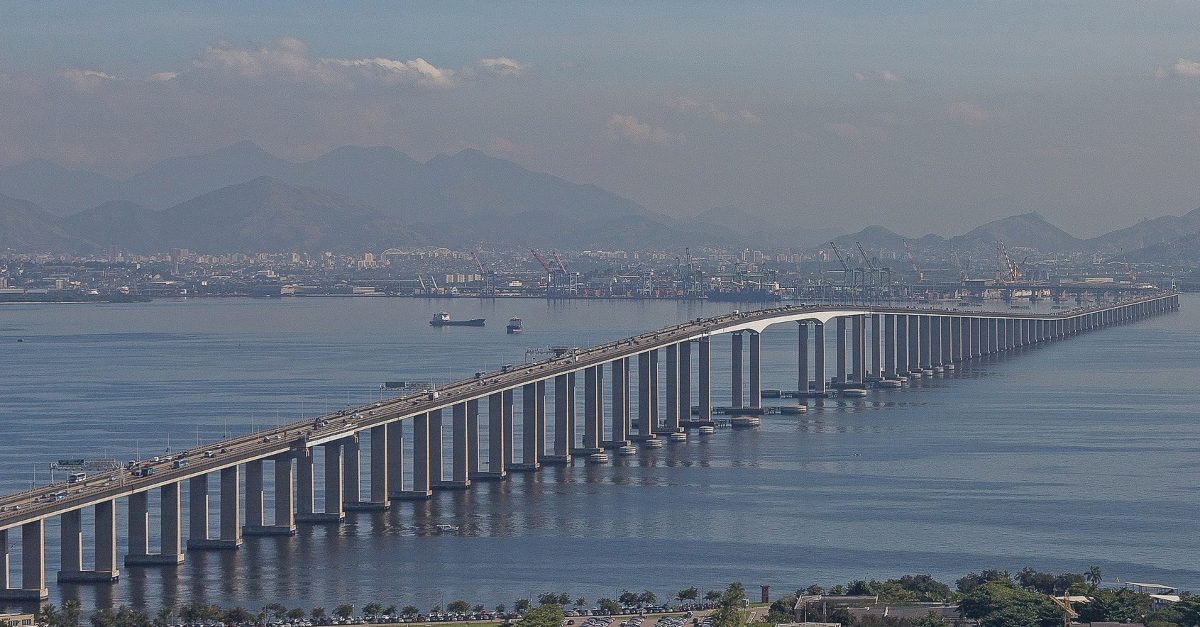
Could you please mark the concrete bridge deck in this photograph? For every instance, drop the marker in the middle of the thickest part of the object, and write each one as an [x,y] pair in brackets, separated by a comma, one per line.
[902,341]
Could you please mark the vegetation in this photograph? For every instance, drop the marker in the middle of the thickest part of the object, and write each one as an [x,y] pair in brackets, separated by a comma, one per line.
[542,616]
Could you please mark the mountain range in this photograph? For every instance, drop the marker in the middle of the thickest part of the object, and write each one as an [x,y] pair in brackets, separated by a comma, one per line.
[242,198]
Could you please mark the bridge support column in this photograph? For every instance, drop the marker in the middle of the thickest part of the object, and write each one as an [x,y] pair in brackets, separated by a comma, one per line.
[421,484]
[839,342]
[755,370]
[496,437]
[70,526]
[71,549]
[591,412]
[620,403]
[935,341]
[509,430]
[305,497]
[139,526]
[351,471]
[685,382]
[139,523]
[671,418]
[889,346]
[802,383]
[379,470]
[563,424]
[735,399]
[33,565]
[704,378]
[435,448]
[819,359]
[334,481]
[255,495]
[197,512]
[858,360]
[647,395]
[947,342]
[530,456]
[915,337]
[460,432]
[395,459]
[285,496]
[876,333]
[472,439]
[901,344]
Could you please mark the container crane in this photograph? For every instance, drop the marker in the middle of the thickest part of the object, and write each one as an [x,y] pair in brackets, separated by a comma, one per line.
[1009,270]
[845,268]
[552,281]
[489,277]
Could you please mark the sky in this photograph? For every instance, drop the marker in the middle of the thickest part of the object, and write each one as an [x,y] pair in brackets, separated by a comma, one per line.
[920,116]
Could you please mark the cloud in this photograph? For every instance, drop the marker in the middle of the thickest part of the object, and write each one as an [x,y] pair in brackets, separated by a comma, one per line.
[502,66]
[391,72]
[1187,68]
[629,128]
[162,77]
[713,112]
[86,79]
[971,113]
[884,76]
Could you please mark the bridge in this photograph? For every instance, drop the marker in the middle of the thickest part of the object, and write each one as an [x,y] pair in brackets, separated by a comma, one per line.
[873,346]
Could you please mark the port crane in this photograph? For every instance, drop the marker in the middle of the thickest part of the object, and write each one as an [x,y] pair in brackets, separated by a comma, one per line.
[1009,270]
[912,259]
[878,274]
[489,277]
[551,274]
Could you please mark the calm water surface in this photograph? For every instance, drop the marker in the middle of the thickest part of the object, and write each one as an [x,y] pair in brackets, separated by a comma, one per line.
[1083,452]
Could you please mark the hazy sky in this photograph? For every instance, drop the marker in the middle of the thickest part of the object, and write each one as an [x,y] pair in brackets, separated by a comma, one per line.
[919,116]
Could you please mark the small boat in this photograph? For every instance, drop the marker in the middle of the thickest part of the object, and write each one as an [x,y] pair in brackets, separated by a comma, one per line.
[707,430]
[442,319]
[514,326]
[445,528]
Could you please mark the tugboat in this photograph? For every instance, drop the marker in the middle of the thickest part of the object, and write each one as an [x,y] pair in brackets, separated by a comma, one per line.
[514,326]
[442,319]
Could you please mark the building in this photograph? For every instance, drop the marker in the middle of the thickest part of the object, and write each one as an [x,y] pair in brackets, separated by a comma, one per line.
[17,620]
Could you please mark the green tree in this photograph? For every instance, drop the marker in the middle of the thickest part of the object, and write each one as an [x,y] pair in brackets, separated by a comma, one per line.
[628,598]
[929,620]
[647,598]
[520,605]
[49,615]
[782,610]
[344,611]
[1188,611]
[501,608]
[164,616]
[813,589]
[458,607]
[838,590]
[373,608]
[295,614]
[317,614]
[130,617]
[1116,606]
[974,580]
[436,609]
[410,610]
[478,609]
[103,618]
[729,607]
[549,598]
[609,606]
[688,594]
[1094,576]
[237,615]
[71,611]
[542,616]
[277,610]
[712,595]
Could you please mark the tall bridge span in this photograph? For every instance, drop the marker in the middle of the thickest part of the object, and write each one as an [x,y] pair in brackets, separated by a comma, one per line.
[873,346]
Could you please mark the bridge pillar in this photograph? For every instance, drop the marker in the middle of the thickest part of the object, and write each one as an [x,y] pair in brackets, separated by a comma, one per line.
[33,564]
[900,343]
[947,338]
[755,370]
[421,484]
[704,378]
[802,382]
[736,370]
[923,361]
[671,418]
[842,376]
[197,512]
[395,460]
[915,338]
[889,346]
[305,497]
[509,428]
[139,526]
[435,447]
[530,455]
[351,470]
[254,496]
[591,414]
[620,403]
[70,526]
[231,512]
[685,381]
[379,470]
[819,359]
[858,361]
[460,474]
[563,425]
[106,540]
[285,496]
[471,437]
[876,333]
[496,440]
[170,534]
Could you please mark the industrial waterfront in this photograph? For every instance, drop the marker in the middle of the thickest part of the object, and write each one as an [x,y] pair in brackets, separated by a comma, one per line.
[1062,455]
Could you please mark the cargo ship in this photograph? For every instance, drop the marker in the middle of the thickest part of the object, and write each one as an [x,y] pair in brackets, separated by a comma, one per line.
[442,319]
[514,326]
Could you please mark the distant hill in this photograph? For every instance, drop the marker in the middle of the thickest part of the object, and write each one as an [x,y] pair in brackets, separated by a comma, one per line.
[1027,230]
[1146,234]
[56,189]
[179,179]
[26,227]
[118,223]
